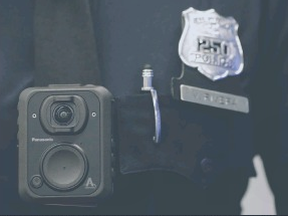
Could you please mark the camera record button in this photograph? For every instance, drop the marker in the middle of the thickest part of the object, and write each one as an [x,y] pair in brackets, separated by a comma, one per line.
[64,166]
[36,182]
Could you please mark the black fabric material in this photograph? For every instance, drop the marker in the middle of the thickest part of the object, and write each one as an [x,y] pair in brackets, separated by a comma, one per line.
[189,139]
[151,193]
[16,62]
[64,38]
[129,34]
[127,38]
[65,49]
[16,66]
[271,118]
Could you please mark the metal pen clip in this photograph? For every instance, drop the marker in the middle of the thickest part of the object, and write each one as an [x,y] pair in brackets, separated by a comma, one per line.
[147,74]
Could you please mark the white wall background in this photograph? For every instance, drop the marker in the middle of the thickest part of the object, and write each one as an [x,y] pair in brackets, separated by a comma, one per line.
[258,199]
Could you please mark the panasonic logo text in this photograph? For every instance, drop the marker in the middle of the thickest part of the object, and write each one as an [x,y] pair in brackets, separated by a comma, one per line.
[42,139]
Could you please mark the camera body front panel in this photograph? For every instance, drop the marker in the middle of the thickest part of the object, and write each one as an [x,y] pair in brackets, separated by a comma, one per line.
[65,144]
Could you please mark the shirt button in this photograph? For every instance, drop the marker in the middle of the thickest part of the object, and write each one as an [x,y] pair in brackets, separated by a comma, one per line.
[207,165]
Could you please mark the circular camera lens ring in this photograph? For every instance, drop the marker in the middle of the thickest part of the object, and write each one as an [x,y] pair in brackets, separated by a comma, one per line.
[64,166]
[63,114]
[80,114]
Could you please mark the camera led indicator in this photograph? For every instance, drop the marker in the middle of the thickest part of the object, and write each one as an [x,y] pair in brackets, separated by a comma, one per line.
[34,116]
[94,114]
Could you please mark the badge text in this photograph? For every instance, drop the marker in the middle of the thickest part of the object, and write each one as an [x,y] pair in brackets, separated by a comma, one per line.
[214,98]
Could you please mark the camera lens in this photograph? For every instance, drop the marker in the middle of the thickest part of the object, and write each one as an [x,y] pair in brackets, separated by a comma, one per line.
[63,114]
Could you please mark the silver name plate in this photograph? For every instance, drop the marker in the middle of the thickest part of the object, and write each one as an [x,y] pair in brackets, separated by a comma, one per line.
[214,99]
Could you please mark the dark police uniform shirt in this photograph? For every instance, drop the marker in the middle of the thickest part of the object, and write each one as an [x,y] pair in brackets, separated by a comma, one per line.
[130,34]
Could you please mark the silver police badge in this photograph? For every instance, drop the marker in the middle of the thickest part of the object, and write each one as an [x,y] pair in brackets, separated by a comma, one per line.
[210,43]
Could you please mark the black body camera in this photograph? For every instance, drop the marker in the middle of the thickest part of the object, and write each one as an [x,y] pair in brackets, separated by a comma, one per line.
[65,144]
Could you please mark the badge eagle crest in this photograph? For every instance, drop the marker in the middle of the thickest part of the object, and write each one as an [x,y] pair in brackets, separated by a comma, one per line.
[210,43]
